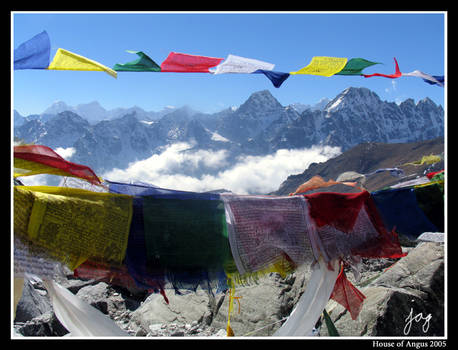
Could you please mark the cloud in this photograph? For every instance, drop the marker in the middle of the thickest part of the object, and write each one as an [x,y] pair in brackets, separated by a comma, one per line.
[65,153]
[179,168]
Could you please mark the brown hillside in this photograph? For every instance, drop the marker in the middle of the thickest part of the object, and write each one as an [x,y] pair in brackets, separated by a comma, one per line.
[368,157]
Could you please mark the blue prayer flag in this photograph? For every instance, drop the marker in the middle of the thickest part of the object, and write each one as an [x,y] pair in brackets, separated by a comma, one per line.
[277,78]
[34,53]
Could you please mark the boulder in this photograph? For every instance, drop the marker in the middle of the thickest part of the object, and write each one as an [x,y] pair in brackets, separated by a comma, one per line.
[33,303]
[263,305]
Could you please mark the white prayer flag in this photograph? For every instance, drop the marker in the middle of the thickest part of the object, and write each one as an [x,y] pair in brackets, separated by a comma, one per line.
[237,64]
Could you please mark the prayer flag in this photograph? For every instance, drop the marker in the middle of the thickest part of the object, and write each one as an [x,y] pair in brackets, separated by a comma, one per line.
[277,78]
[153,270]
[184,63]
[430,198]
[439,78]
[73,225]
[39,159]
[397,73]
[434,173]
[66,60]
[426,160]
[349,223]
[237,64]
[318,182]
[142,64]
[399,209]
[323,65]
[355,66]
[347,295]
[424,76]
[34,53]
[268,234]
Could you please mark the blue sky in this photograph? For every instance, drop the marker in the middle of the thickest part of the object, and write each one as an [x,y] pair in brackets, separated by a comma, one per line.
[287,39]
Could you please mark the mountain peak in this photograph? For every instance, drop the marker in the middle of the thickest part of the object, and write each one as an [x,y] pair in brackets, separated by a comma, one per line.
[259,103]
[58,107]
[352,96]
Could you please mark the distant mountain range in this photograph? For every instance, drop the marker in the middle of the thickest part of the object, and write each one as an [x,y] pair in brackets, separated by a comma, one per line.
[261,125]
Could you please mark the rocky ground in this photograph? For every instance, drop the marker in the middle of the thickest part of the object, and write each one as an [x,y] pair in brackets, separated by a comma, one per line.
[394,290]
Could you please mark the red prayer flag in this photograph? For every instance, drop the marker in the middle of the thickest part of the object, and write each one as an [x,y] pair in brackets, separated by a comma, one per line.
[432,174]
[180,62]
[336,209]
[397,73]
[46,156]
[347,295]
[341,210]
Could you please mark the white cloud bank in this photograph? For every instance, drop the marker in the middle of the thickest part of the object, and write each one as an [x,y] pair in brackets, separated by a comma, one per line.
[65,153]
[250,175]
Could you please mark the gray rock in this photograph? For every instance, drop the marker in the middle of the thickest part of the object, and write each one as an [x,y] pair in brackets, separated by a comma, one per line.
[45,325]
[33,303]
[262,305]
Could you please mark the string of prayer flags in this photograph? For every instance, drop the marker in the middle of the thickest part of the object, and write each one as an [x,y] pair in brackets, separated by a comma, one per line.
[66,60]
[142,64]
[74,225]
[185,63]
[396,74]
[39,159]
[323,65]
[424,76]
[355,66]
[34,53]
[237,64]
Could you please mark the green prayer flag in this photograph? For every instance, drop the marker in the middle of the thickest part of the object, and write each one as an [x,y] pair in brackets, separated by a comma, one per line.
[332,330]
[186,234]
[142,64]
[355,66]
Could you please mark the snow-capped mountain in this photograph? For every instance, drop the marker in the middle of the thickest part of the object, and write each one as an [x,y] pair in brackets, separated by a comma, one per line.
[358,115]
[93,112]
[259,126]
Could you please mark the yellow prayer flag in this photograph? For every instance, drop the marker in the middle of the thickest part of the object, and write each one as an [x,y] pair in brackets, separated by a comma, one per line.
[66,60]
[426,160]
[323,65]
[73,225]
